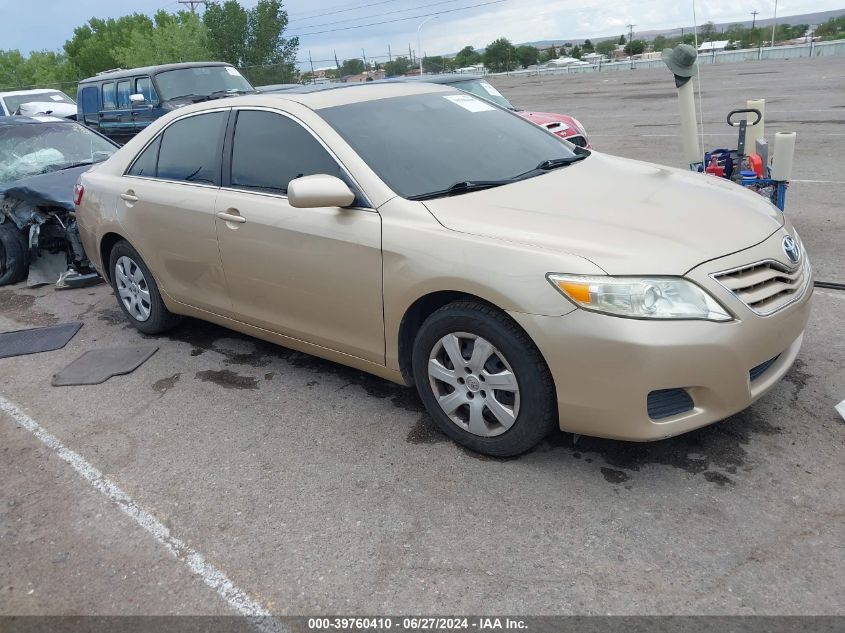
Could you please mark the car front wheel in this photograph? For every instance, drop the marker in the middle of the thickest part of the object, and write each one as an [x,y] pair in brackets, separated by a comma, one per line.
[483,380]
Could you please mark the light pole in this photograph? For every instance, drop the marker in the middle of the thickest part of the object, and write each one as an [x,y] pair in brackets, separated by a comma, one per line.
[419,45]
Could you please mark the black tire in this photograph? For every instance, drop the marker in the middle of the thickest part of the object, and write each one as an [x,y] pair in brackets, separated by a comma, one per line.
[537,414]
[160,318]
[14,262]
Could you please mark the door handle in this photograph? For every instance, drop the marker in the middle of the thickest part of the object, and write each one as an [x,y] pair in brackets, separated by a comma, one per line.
[129,197]
[230,217]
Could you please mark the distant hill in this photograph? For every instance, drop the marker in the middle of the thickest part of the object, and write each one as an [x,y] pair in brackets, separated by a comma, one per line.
[806,18]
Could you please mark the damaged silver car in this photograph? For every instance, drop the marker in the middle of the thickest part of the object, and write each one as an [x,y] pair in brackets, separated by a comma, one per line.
[40,161]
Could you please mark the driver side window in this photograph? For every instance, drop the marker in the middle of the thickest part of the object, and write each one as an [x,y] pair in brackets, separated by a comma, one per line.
[269,150]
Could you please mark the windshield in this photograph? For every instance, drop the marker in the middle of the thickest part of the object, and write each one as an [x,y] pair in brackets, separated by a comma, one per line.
[36,148]
[419,144]
[13,102]
[200,81]
[483,89]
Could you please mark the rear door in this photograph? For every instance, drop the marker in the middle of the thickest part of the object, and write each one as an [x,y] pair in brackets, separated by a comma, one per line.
[168,196]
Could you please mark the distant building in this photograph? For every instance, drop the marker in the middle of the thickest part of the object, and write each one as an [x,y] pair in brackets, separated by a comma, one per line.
[710,47]
[592,58]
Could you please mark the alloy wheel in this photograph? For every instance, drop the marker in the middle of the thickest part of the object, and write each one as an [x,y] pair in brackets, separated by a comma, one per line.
[132,288]
[474,384]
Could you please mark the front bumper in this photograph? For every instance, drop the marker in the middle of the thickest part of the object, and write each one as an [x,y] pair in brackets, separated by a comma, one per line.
[604,367]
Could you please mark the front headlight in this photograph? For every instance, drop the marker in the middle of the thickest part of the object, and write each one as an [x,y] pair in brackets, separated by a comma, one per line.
[640,297]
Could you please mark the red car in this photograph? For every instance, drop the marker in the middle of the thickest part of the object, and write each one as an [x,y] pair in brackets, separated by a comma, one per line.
[562,125]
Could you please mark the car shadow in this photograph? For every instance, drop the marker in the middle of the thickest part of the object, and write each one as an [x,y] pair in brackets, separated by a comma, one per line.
[716,451]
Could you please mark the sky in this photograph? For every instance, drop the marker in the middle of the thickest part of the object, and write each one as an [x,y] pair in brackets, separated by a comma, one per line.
[46,24]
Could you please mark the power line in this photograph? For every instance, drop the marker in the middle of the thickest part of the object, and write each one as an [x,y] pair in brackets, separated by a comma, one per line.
[318,14]
[367,17]
[413,17]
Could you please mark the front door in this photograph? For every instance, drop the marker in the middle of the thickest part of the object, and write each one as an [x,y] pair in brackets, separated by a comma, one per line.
[143,113]
[312,274]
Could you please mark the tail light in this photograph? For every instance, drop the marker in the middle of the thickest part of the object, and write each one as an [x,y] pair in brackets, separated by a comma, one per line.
[78,192]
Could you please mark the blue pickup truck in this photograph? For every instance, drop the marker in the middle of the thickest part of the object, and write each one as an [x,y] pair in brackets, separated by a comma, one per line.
[121,103]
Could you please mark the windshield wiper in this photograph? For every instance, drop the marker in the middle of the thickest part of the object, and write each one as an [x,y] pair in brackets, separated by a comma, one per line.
[62,166]
[551,164]
[192,97]
[465,186]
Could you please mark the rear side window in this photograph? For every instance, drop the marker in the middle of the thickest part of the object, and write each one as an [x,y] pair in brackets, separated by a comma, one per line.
[146,163]
[88,99]
[124,89]
[108,96]
[190,149]
[269,150]
[143,86]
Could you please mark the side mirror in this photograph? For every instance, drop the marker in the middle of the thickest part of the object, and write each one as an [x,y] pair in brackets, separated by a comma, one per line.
[136,99]
[320,190]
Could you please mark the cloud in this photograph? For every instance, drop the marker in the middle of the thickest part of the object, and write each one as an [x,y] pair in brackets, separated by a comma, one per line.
[24,25]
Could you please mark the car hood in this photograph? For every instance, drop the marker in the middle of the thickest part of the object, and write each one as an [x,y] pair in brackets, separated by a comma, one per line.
[53,189]
[544,118]
[627,217]
[50,108]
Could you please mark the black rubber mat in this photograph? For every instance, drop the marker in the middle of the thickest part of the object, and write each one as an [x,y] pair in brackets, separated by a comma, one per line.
[99,365]
[35,340]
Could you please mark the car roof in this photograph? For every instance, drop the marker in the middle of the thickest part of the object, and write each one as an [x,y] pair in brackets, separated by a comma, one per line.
[147,70]
[34,91]
[444,78]
[328,95]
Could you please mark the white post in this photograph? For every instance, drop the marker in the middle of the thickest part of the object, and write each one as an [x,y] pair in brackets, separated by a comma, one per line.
[689,125]
[774,23]
[419,46]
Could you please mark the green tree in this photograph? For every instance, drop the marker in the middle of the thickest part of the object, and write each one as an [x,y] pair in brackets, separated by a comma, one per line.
[622,40]
[659,43]
[606,47]
[576,52]
[588,46]
[253,38]
[175,38]
[635,47]
[548,54]
[500,55]
[707,32]
[436,64]
[467,57]
[93,46]
[399,66]
[351,67]
[527,55]
[227,25]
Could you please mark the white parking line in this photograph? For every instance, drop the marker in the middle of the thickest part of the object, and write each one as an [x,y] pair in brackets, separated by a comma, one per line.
[237,599]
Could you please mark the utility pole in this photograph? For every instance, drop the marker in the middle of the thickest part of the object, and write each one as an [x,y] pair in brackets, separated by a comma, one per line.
[364,57]
[193,3]
[774,23]
[311,61]
[631,39]
[754,22]
[389,54]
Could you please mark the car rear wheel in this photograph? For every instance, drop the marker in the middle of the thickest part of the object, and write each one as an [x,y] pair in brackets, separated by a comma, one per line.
[13,254]
[483,380]
[136,291]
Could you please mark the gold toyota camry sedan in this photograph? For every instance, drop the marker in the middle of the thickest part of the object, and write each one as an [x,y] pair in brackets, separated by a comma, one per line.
[433,239]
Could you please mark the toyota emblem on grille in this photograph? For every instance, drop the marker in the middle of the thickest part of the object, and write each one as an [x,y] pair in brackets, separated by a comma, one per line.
[790,247]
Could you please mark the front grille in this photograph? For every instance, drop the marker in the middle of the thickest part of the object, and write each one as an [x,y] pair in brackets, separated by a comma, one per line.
[665,403]
[766,286]
[755,372]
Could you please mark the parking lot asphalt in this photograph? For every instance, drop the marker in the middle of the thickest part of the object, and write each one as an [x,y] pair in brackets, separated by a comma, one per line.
[317,489]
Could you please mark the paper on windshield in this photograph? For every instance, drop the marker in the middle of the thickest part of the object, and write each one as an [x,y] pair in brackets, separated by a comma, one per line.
[490,89]
[469,103]
[56,97]
[233,71]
